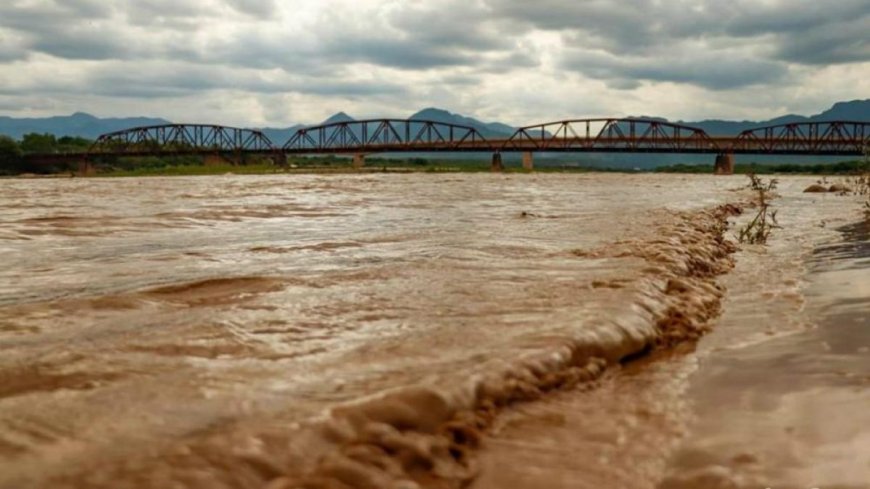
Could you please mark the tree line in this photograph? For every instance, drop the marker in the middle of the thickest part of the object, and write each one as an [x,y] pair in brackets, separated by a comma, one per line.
[841,168]
[13,152]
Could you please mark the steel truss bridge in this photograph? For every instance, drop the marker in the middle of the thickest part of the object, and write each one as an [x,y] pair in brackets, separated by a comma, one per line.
[360,138]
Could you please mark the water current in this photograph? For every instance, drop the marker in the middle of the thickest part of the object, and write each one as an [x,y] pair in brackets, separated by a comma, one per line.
[396,330]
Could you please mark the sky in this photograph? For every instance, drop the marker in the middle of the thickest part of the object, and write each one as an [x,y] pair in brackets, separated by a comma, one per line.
[277,63]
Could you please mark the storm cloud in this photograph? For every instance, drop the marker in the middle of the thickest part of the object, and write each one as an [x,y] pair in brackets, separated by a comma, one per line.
[257,62]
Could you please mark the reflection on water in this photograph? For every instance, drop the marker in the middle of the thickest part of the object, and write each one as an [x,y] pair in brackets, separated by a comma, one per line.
[187,330]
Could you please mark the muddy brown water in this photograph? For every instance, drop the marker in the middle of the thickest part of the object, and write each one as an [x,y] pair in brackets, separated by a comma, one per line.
[793,411]
[367,331]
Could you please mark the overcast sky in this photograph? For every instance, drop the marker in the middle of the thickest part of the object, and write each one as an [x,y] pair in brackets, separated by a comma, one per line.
[275,63]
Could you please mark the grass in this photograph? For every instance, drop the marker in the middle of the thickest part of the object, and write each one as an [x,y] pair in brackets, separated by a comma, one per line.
[759,229]
[861,185]
[181,170]
[841,168]
[139,167]
[327,166]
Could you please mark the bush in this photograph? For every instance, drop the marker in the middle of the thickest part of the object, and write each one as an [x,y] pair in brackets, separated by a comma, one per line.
[11,160]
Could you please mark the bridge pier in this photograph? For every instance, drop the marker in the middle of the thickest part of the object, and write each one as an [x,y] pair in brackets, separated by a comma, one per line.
[724,164]
[528,160]
[218,160]
[359,161]
[85,169]
[212,160]
[497,165]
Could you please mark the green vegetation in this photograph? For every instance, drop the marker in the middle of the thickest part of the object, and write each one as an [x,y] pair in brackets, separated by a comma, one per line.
[842,168]
[13,153]
[47,143]
[10,156]
[758,230]
[195,169]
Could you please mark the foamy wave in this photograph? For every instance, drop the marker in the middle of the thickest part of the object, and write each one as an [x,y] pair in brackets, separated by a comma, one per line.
[426,433]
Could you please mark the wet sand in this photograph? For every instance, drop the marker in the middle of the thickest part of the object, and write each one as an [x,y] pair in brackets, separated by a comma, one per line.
[370,331]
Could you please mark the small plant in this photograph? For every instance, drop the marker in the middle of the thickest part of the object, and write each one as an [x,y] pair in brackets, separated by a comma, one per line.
[862,181]
[758,230]
[757,184]
[862,184]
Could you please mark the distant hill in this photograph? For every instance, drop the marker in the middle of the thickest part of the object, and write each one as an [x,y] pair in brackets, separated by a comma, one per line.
[279,136]
[337,118]
[490,129]
[856,110]
[78,124]
[494,129]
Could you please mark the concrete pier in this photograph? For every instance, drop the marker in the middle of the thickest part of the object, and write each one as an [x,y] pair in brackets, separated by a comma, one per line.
[222,159]
[85,168]
[724,164]
[528,160]
[213,160]
[497,165]
[359,161]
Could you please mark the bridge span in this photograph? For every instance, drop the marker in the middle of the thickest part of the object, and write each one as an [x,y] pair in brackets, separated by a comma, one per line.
[377,136]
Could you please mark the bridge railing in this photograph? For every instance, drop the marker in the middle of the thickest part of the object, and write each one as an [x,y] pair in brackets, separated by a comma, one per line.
[376,135]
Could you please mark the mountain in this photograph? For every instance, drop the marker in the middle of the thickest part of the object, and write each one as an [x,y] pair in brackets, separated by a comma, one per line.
[78,124]
[492,129]
[337,118]
[279,136]
[856,110]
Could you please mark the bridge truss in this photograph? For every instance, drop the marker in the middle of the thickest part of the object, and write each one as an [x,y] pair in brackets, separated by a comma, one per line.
[386,135]
[610,135]
[181,139]
[822,138]
[359,138]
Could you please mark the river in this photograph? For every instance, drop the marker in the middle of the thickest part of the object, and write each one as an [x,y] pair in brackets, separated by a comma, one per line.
[383,330]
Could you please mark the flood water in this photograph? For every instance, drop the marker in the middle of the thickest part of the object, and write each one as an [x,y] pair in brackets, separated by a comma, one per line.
[388,330]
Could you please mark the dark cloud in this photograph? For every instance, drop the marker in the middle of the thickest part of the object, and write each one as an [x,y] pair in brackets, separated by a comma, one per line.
[747,42]
[449,24]
[407,54]
[79,29]
[12,47]
[412,35]
[785,17]
[153,80]
[848,42]
[85,43]
[342,49]
[708,68]
[263,9]
[510,61]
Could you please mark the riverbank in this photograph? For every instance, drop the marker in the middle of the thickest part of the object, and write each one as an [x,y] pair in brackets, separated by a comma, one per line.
[325,166]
